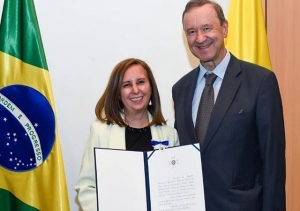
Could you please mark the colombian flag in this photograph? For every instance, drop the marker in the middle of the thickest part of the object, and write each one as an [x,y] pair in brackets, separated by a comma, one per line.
[247,37]
[32,173]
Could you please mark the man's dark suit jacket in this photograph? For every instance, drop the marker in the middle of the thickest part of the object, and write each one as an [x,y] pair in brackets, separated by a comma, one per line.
[243,154]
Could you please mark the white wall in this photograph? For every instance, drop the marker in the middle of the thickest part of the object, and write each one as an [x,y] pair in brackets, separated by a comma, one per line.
[85,39]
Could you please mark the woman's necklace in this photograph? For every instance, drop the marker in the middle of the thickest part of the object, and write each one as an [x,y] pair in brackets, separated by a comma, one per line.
[137,130]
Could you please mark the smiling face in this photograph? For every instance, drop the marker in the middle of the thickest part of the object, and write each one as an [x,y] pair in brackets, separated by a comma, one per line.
[135,90]
[205,35]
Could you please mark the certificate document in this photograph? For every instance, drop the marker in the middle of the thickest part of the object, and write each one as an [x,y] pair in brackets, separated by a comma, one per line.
[159,180]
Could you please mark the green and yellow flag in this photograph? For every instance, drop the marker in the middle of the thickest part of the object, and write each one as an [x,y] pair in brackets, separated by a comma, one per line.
[247,37]
[32,173]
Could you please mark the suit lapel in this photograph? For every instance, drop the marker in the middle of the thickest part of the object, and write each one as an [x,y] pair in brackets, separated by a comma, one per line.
[156,133]
[190,89]
[225,97]
[117,137]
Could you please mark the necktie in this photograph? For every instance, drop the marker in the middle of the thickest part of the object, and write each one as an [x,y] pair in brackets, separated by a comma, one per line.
[205,107]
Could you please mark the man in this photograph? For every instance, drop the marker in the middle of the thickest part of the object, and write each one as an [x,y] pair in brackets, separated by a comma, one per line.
[243,151]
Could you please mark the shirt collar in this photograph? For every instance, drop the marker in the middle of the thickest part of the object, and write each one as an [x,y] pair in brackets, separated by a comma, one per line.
[220,69]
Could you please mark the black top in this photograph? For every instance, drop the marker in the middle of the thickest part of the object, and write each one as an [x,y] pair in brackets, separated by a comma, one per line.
[138,139]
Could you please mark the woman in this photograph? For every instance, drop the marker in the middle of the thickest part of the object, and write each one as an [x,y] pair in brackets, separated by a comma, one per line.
[129,116]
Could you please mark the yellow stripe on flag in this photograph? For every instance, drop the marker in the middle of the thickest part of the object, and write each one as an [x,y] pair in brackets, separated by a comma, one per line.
[25,74]
[247,38]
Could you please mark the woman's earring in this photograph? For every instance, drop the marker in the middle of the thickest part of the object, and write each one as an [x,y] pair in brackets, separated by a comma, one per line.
[150,103]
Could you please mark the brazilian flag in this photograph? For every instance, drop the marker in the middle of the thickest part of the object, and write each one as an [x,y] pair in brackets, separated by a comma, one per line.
[32,175]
